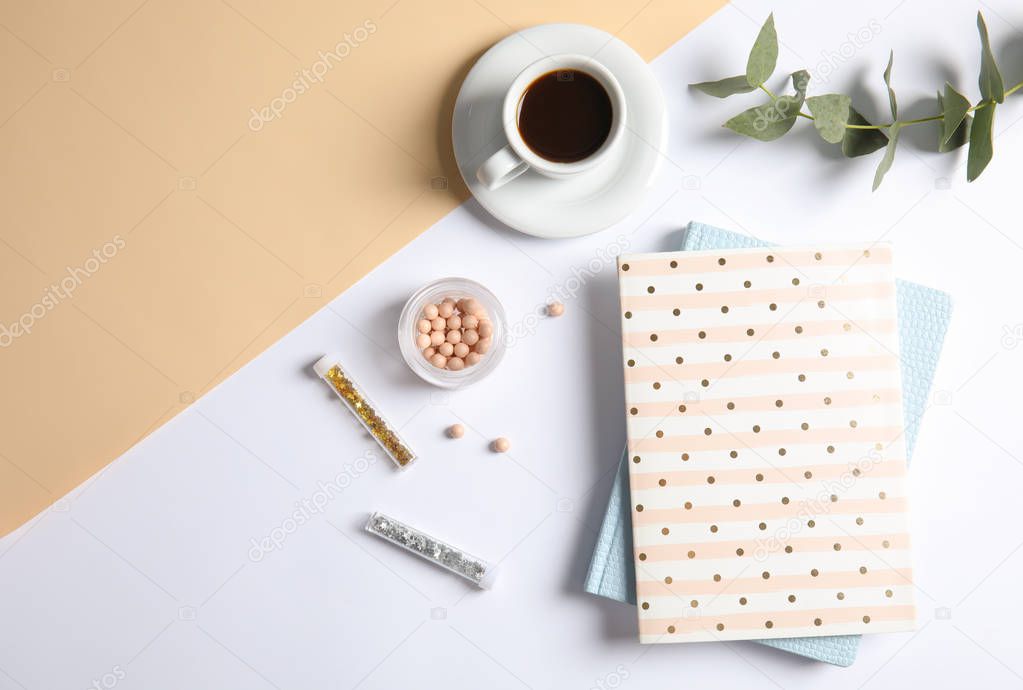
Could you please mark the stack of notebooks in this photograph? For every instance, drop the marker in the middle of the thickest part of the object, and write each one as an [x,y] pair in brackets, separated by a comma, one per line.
[772,398]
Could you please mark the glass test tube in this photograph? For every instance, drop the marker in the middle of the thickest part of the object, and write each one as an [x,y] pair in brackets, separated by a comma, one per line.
[330,370]
[476,570]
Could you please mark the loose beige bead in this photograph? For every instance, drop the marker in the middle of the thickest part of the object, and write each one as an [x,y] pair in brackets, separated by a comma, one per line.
[439,360]
[454,321]
[482,346]
[423,340]
[485,328]
[472,306]
[454,337]
[456,431]
[470,337]
[424,326]
[472,359]
[456,363]
[436,338]
[446,349]
[470,321]
[461,349]
[446,308]
[430,311]
[501,445]
[555,309]
[438,324]
[429,352]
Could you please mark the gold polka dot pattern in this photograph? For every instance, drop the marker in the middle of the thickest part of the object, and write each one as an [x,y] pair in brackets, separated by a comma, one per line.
[764,401]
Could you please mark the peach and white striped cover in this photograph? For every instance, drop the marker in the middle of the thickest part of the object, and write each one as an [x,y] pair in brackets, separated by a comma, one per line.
[765,435]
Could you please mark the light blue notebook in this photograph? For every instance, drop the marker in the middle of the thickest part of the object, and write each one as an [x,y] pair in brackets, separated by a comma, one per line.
[923,320]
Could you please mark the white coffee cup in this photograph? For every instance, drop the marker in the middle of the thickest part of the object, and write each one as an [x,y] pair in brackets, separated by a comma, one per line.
[516,157]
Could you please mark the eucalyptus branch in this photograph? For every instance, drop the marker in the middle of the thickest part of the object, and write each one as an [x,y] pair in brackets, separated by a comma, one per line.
[839,123]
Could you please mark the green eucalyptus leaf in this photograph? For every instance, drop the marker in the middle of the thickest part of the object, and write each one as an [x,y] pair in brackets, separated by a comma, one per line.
[888,83]
[889,155]
[765,122]
[772,120]
[860,142]
[830,113]
[981,142]
[991,86]
[961,134]
[959,139]
[800,80]
[764,55]
[723,88]
[954,108]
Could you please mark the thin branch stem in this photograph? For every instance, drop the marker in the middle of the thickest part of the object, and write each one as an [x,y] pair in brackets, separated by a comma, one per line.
[775,98]
[902,123]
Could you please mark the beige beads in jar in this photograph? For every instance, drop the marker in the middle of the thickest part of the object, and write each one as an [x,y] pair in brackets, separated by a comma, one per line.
[454,333]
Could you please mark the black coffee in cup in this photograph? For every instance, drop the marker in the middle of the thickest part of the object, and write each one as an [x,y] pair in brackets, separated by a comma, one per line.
[565,116]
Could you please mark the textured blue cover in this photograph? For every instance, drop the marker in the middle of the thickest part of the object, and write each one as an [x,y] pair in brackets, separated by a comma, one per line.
[923,319]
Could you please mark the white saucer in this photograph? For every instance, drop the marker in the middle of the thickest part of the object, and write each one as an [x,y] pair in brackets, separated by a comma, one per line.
[593,200]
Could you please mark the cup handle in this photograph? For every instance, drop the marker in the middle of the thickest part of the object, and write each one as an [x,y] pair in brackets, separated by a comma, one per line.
[504,166]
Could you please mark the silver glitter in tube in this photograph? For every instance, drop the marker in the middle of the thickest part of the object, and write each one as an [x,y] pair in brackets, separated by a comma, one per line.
[476,570]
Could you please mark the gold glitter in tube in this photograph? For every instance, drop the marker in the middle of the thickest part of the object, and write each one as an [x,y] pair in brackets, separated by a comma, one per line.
[367,413]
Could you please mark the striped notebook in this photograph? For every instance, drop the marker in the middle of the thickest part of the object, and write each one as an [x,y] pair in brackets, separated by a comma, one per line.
[765,436]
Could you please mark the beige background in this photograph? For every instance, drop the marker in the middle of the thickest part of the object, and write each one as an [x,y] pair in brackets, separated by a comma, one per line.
[125,128]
